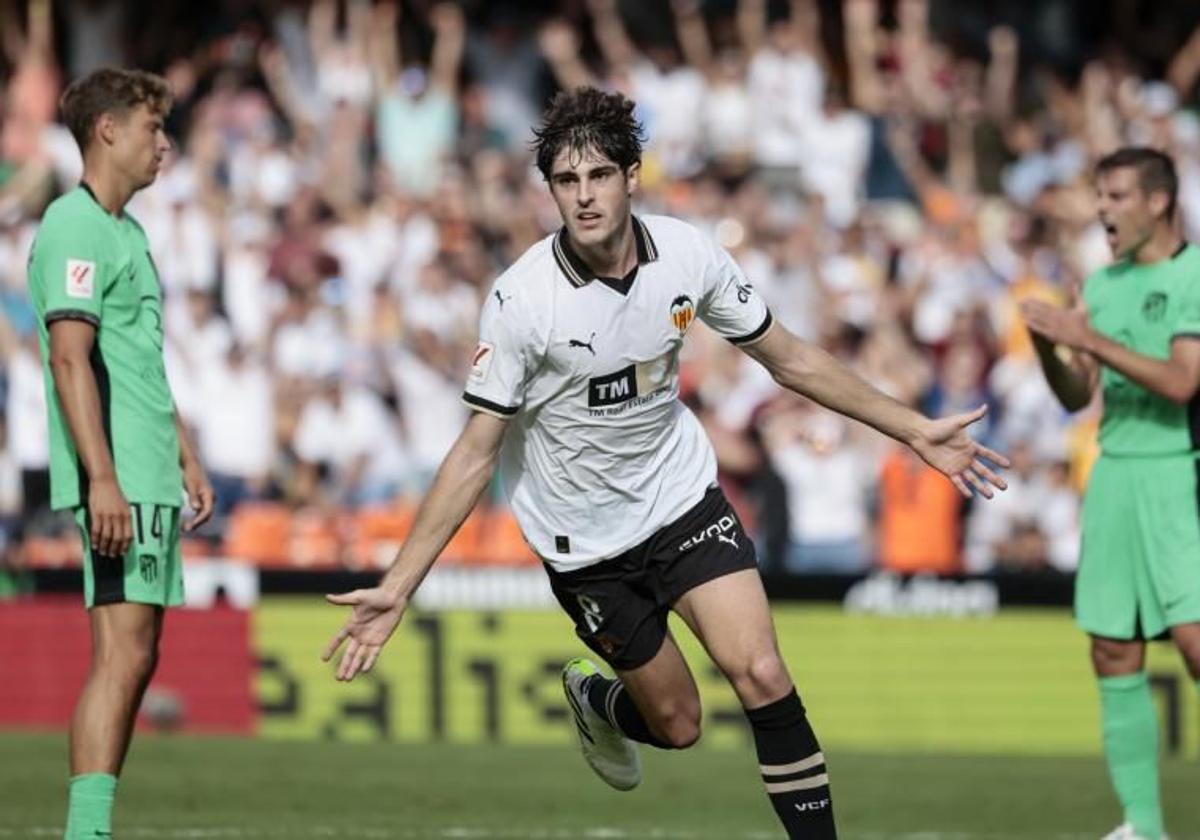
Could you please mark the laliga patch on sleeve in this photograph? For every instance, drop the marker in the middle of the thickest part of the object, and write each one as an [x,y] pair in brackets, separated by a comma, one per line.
[481,361]
[81,278]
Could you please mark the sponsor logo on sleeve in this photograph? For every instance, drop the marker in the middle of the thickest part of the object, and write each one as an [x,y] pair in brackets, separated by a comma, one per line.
[81,278]
[481,361]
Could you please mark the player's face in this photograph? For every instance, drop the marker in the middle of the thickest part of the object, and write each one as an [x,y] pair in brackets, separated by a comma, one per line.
[139,144]
[593,195]
[1127,213]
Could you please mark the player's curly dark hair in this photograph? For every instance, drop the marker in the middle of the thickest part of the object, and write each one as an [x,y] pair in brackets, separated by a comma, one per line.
[110,90]
[586,118]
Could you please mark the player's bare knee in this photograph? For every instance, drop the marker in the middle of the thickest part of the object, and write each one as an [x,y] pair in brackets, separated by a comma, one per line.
[677,722]
[1112,657]
[133,662]
[763,679]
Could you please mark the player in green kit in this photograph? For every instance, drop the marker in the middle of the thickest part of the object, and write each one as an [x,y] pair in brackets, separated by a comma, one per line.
[1135,334]
[119,456]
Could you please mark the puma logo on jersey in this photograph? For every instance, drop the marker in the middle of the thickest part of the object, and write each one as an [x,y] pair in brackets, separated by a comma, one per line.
[721,529]
[574,342]
[501,299]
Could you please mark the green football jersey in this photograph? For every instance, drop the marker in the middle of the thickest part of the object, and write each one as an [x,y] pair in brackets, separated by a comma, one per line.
[1145,307]
[89,265]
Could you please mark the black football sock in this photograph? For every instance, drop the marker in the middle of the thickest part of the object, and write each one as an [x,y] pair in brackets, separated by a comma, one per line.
[793,768]
[609,699]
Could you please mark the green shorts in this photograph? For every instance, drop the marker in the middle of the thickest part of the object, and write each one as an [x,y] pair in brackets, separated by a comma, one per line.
[151,572]
[1139,566]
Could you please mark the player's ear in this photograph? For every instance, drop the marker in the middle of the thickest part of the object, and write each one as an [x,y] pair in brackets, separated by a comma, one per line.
[106,128]
[1159,202]
[633,176]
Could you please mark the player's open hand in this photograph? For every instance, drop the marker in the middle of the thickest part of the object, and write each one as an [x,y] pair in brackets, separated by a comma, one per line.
[946,446]
[375,617]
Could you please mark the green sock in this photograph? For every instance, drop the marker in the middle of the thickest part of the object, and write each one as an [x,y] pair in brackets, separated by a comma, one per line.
[89,812]
[1131,748]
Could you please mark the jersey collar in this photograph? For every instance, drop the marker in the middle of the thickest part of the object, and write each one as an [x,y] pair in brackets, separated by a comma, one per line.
[578,273]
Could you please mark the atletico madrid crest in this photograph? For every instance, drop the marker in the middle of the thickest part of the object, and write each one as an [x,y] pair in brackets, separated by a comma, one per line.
[682,313]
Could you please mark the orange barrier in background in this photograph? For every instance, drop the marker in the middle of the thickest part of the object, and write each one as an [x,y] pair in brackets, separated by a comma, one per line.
[272,535]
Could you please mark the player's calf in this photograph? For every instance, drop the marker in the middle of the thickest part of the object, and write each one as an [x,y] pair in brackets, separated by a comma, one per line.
[793,768]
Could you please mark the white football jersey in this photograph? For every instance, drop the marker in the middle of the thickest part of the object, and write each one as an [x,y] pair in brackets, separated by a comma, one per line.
[600,452]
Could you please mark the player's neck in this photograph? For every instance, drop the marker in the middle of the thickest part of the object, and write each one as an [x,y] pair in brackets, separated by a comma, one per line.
[1163,244]
[109,190]
[613,258]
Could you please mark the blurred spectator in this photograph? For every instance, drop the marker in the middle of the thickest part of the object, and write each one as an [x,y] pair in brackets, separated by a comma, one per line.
[348,447]
[235,426]
[1033,526]
[28,434]
[919,517]
[417,115]
[827,477]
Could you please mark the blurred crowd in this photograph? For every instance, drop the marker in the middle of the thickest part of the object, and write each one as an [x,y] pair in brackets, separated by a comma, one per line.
[350,177]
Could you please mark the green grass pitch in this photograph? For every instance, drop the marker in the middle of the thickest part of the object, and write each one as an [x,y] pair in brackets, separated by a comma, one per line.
[184,787]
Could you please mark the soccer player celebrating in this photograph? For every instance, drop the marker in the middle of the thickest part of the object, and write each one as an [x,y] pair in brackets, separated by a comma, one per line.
[1136,333]
[118,453]
[575,387]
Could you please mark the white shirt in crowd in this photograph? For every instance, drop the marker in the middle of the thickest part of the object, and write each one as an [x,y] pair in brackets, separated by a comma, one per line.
[358,427]
[826,482]
[786,89]
[28,428]
[673,104]
[1032,501]
[600,453]
[834,153]
[432,409]
[235,419]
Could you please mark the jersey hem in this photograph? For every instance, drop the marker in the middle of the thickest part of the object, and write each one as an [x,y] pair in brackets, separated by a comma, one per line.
[576,564]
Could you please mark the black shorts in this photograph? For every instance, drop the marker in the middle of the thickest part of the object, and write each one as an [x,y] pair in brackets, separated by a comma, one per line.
[620,605]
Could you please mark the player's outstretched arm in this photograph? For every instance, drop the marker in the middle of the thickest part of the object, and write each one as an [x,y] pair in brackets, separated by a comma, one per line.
[75,385]
[944,443]
[462,477]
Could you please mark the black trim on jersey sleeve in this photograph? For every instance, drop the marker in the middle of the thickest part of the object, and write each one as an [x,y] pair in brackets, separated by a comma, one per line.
[756,335]
[489,406]
[72,315]
[1185,334]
